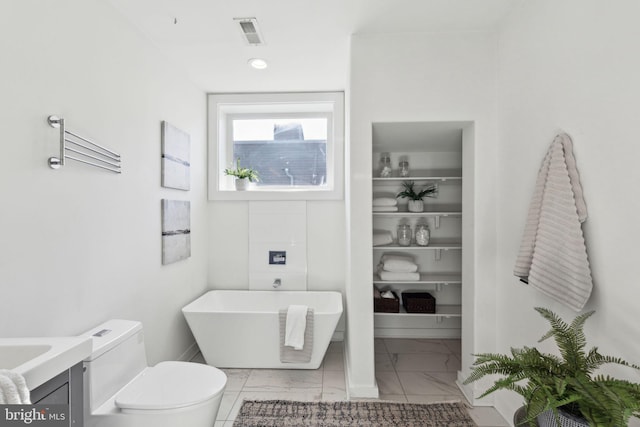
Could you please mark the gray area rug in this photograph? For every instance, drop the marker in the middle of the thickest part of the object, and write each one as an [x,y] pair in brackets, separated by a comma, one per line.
[286,413]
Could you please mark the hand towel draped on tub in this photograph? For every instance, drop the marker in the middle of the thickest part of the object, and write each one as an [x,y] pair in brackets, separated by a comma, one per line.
[240,329]
[298,348]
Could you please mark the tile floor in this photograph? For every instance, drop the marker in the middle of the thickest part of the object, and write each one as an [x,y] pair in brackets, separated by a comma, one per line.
[407,370]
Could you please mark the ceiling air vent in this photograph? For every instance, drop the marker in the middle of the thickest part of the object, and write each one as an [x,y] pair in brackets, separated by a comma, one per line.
[250,31]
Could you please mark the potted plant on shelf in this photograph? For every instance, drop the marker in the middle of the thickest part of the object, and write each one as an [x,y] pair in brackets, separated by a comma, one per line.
[243,175]
[562,390]
[415,197]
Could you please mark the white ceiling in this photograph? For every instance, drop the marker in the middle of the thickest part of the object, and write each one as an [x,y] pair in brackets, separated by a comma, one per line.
[307,41]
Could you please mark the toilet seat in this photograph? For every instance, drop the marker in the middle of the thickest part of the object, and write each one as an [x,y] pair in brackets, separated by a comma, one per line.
[171,385]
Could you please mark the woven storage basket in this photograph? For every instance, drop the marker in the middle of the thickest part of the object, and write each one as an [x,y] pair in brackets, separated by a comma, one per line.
[418,302]
[385,305]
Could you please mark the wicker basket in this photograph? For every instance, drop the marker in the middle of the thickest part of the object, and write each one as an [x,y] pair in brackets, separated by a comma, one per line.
[385,305]
[418,302]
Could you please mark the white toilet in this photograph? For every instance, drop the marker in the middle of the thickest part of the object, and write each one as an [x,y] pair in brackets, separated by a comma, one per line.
[120,390]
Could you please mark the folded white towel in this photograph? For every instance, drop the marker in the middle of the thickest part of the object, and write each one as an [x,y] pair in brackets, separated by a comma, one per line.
[385,209]
[382,237]
[385,200]
[295,326]
[13,387]
[398,263]
[393,275]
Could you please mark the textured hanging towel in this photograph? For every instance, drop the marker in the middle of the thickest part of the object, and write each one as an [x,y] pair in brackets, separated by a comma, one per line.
[553,254]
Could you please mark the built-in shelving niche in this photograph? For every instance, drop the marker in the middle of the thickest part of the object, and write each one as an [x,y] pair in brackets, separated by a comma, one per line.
[434,152]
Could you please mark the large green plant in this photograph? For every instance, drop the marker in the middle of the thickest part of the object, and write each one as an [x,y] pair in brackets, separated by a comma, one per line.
[568,381]
[242,173]
[409,192]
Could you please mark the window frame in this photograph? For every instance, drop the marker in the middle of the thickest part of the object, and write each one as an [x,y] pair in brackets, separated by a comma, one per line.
[222,108]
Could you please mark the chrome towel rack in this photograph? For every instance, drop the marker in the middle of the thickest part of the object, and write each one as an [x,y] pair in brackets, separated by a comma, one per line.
[81,149]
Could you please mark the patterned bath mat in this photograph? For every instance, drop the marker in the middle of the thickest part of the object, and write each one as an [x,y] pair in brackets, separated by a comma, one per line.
[286,413]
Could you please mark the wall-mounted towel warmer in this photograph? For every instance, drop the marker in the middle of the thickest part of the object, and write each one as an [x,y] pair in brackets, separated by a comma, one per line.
[85,150]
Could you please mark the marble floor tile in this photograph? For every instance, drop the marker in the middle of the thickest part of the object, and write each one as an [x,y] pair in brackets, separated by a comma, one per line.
[426,362]
[333,362]
[416,346]
[284,380]
[455,346]
[379,346]
[393,398]
[487,416]
[334,397]
[434,398]
[236,378]
[228,400]
[388,383]
[383,362]
[333,382]
[420,383]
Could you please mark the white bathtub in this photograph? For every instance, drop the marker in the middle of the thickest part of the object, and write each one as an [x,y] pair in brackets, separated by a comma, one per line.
[240,329]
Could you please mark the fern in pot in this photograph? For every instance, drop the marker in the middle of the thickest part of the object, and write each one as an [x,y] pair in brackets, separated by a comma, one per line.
[243,175]
[415,196]
[562,390]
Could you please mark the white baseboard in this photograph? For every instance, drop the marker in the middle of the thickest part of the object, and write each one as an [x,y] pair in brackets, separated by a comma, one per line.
[189,353]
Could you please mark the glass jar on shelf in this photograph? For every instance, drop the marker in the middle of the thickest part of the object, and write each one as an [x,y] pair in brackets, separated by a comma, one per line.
[422,234]
[385,165]
[404,235]
[404,168]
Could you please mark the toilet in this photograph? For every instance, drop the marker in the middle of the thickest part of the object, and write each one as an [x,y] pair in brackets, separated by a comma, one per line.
[120,390]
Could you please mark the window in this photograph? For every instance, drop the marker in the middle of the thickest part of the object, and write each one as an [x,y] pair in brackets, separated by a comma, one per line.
[294,141]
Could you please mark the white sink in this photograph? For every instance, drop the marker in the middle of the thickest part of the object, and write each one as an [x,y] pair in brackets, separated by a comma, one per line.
[40,359]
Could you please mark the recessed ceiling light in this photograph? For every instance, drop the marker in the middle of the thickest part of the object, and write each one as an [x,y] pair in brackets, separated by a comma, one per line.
[258,64]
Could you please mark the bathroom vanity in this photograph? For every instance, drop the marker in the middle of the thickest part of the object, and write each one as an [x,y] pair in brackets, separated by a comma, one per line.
[52,369]
[63,389]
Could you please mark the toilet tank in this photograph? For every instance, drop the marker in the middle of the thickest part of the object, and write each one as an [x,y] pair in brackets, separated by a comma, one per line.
[117,357]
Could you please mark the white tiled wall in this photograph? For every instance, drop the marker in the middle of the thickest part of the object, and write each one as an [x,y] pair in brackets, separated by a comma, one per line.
[278,226]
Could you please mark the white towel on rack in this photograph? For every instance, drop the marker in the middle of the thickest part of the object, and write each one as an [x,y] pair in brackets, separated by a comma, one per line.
[553,254]
[385,209]
[295,326]
[13,388]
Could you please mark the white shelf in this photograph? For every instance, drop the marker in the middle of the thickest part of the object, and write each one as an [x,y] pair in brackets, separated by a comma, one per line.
[425,279]
[445,244]
[441,311]
[429,210]
[422,175]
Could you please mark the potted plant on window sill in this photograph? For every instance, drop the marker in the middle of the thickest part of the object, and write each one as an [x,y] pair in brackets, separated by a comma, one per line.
[415,197]
[562,390]
[243,176]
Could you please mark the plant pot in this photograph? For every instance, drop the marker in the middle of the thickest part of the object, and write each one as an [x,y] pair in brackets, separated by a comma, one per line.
[546,419]
[416,206]
[242,184]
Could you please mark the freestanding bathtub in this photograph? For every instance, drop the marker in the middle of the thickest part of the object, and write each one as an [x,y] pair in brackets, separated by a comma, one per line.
[240,329]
